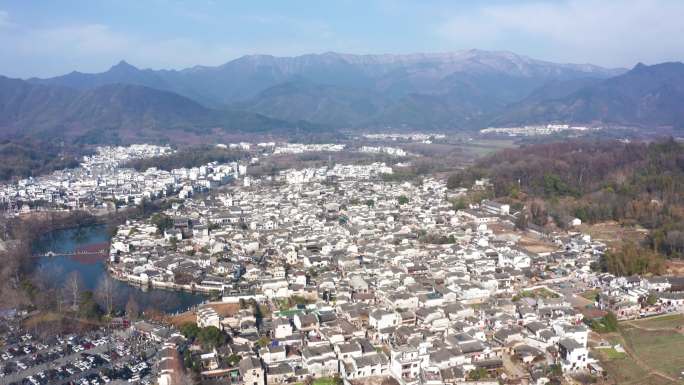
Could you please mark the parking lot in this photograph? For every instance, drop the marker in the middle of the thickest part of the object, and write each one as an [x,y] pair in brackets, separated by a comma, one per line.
[94,358]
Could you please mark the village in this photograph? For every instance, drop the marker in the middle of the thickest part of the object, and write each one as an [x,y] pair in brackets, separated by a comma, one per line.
[537,130]
[336,273]
[103,184]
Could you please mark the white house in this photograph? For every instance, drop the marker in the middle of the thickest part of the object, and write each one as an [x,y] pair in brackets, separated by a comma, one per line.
[381,319]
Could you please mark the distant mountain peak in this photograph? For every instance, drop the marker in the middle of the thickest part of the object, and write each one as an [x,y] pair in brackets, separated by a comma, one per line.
[123,66]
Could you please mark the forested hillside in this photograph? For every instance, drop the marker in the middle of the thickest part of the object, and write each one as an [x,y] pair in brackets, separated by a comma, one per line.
[20,159]
[120,113]
[632,183]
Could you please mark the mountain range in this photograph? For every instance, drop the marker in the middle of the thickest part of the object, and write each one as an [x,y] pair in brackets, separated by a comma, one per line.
[451,91]
[646,96]
[115,113]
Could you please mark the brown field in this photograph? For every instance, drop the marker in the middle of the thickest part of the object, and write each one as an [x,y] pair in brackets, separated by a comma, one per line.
[223,309]
[469,148]
[37,319]
[674,267]
[182,318]
[612,233]
[536,245]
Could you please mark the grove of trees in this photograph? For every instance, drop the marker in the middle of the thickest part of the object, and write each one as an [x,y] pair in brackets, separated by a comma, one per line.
[189,157]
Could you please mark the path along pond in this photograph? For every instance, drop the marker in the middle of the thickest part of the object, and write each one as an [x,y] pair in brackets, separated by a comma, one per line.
[75,250]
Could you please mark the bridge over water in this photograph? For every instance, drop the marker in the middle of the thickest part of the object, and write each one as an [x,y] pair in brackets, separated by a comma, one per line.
[92,250]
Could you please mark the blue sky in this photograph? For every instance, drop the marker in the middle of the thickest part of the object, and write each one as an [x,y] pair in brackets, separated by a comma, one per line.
[50,37]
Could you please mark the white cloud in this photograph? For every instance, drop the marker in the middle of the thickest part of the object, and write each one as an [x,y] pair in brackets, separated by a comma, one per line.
[608,32]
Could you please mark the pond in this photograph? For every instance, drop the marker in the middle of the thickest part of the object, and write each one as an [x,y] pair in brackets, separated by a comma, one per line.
[72,250]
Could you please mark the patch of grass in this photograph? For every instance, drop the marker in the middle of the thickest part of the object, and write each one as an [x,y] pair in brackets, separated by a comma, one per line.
[590,295]
[324,381]
[661,350]
[625,371]
[612,354]
[536,293]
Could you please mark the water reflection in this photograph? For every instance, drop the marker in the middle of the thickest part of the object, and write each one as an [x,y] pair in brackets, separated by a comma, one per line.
[91,269]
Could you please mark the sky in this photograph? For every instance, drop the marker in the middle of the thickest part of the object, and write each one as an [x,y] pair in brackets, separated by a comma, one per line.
[51,37]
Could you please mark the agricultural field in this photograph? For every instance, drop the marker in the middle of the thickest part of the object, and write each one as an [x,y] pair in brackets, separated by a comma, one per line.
[483,147]
[613,233]
[622,370]
[654,353]
[536,245]
[660,350]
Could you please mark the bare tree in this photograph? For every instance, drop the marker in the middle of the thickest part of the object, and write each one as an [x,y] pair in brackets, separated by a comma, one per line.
[105,292]
[132,308]
[10,264]
[46,278]
[73,287]
[60,298]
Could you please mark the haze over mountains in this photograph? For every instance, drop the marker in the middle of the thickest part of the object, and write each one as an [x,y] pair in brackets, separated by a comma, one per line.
[461,90]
